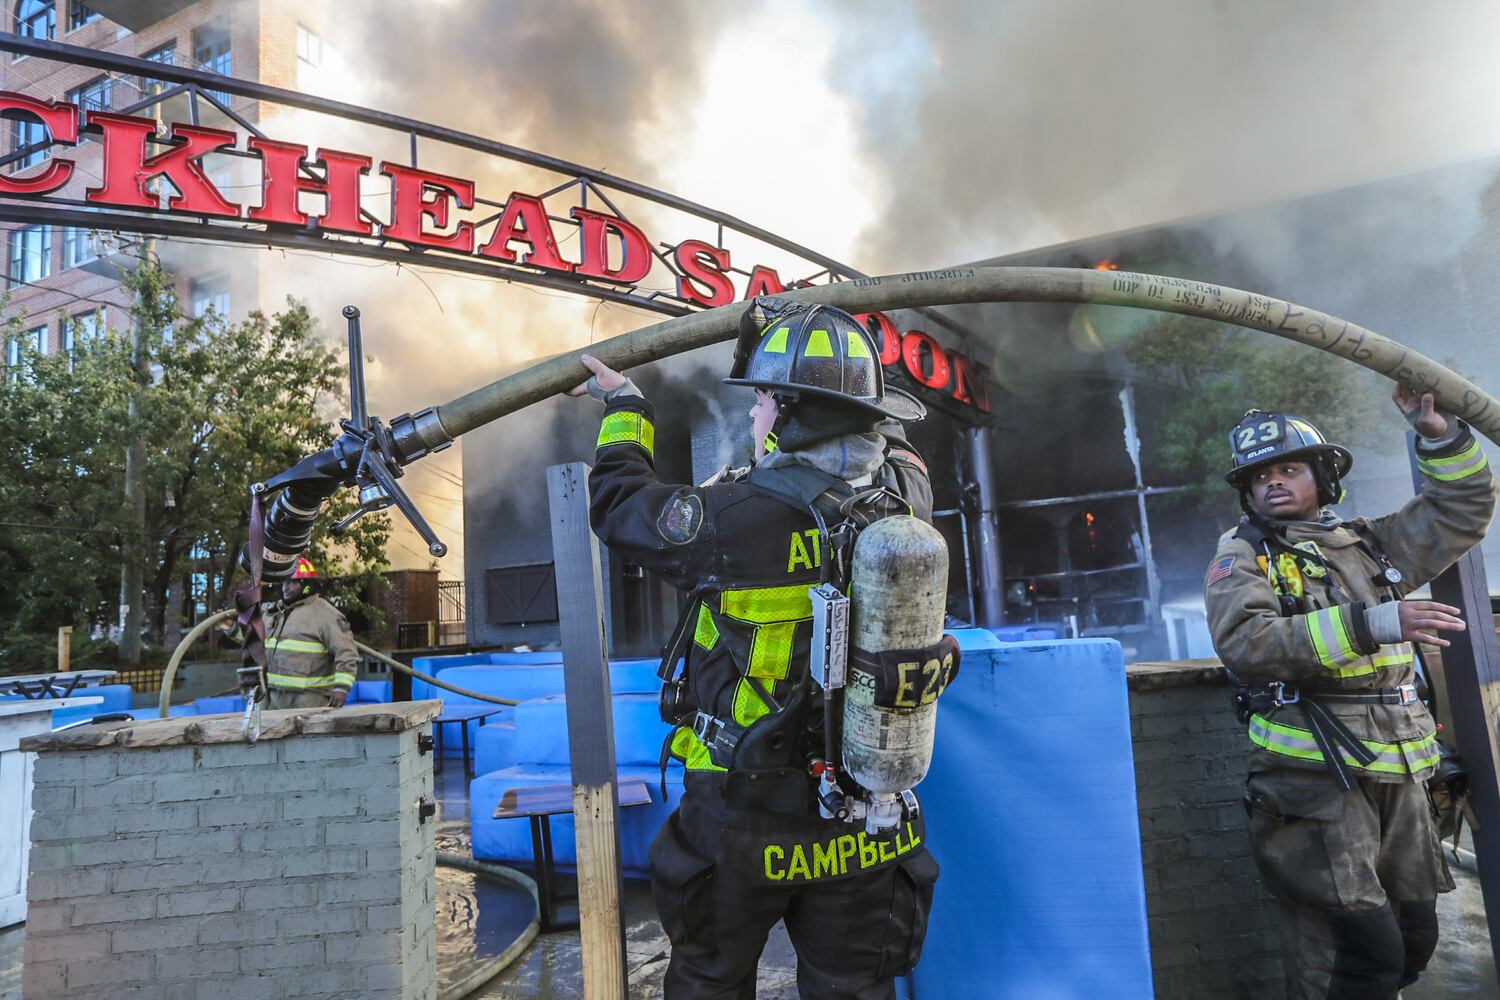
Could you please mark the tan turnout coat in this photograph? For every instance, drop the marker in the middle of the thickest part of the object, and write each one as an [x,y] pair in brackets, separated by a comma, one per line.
[309,647]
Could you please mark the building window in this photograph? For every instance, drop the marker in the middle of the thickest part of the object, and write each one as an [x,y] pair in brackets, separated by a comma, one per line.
[30,254]
[12,358]
[28,132]
[36,338]
[211,53]
[79,14]
[92,96]
[167,56]
[84,326]
[210,293]
[36,18]
[79,246]
[309,47]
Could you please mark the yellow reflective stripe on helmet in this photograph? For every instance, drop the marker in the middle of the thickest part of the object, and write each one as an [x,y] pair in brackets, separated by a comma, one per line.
[294,681]
[776,611]
[295,646]
[690,750]
[627,427]
[1454,467]
[856,345]
[706,633]
[818,345]
[1330,638]
[777,343]
[1407,756]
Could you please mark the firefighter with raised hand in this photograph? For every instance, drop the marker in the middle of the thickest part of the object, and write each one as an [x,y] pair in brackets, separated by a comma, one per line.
[1308,613]
[311,660]
[747,846]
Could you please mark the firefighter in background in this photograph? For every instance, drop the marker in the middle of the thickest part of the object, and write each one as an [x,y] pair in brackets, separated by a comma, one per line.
[1307,611]
[311,660]
[747,846]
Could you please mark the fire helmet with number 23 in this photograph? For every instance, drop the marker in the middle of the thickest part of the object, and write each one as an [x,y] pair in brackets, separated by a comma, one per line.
[1262,437]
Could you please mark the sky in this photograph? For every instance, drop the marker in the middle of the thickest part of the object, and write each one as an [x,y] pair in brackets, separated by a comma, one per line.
[892,136]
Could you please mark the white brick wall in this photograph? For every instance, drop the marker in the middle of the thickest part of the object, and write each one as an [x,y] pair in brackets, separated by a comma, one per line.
[293,867]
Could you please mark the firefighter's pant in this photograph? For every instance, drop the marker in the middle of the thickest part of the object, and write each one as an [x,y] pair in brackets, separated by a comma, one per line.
[1357,874]
[853,936]
[299,699]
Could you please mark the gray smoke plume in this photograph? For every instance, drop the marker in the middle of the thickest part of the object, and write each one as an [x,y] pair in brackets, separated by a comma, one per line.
[1023,124]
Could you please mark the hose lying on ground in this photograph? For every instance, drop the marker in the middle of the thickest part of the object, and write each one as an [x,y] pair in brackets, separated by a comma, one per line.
[494,966]
[165,697]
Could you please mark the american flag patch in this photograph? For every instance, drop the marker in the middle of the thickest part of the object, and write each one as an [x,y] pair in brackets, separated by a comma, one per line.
[1219,571]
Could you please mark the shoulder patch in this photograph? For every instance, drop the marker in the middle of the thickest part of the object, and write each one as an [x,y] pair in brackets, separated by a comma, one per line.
[681,518]
[1218,571]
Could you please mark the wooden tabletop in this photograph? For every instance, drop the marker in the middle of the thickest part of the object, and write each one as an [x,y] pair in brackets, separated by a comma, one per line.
[550,800]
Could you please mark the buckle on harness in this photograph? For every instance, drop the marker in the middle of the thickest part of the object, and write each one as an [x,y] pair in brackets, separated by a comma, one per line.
[1408,694]
[1278,691]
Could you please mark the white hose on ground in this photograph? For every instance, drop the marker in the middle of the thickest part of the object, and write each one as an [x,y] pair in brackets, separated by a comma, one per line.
[165,697]
[494,966]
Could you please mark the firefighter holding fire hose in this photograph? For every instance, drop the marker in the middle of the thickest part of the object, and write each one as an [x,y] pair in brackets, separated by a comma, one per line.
[1308,613]
[748,845]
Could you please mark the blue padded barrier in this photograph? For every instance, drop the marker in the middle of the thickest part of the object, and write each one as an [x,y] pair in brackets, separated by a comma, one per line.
[495,745]
[510,839]
[369,693]
[523,682]
[1025,633]
[220,705]
[117,698]
[435,665]
[542,725]
[1031,813]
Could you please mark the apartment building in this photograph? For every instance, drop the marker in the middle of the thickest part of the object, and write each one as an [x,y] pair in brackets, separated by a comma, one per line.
[65,280]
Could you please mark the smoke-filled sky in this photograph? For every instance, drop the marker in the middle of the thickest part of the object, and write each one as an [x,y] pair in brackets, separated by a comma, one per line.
[889,135]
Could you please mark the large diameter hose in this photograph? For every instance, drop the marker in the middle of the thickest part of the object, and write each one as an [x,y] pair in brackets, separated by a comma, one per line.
[954,286]
[165,695]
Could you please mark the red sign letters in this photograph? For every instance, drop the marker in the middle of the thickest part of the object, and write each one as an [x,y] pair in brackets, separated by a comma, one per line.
[425,209]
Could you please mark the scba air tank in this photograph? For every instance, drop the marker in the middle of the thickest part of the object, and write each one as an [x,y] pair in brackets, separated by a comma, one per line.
[899,660]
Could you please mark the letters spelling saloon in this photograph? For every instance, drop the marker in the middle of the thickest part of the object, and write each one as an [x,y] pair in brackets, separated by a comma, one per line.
[423,210]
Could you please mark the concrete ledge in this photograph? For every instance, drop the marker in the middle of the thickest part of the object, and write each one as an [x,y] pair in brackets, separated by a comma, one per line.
[1175,673]
[203,729]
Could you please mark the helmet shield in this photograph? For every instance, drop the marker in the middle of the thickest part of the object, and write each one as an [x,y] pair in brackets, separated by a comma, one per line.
[793,349]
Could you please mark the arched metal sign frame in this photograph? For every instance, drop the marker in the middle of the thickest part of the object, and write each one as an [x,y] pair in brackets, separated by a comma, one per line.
[205,96]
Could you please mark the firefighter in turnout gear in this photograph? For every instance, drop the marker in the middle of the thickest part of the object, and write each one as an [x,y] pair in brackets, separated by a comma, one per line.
[311,660]
[1308,613]
[747,846]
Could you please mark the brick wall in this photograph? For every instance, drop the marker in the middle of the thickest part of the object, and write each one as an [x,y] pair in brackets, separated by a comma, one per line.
[297,866]
[1213,927]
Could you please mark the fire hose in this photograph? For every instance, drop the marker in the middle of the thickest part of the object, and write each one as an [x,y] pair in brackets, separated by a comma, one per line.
[165,695]
[371,454]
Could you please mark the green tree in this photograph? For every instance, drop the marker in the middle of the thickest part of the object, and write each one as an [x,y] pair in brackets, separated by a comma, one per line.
[226,405]
[1208,374]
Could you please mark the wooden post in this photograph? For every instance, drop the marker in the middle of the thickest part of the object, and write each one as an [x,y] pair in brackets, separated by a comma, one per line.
[591,736]
[1471,669]
[64,649]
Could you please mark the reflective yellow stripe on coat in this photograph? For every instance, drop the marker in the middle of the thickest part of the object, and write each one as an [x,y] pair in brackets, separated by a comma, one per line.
[1454,467]
[1403,757]
[627,427]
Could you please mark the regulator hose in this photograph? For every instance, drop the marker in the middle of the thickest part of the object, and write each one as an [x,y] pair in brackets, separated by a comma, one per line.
[958,285]
[165,695]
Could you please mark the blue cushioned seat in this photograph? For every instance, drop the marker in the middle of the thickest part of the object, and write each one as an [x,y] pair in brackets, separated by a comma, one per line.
[117,698]
[495,745]
[369,693]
